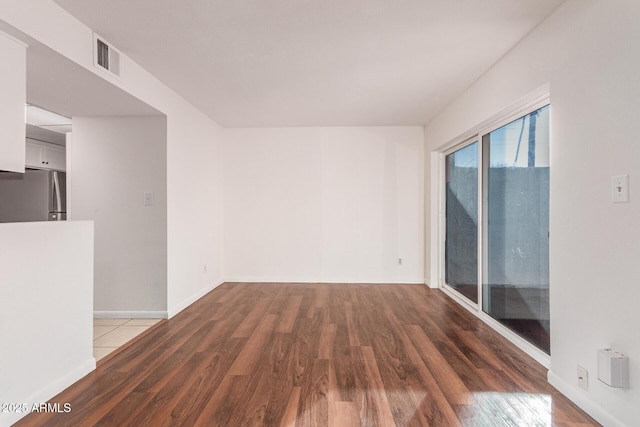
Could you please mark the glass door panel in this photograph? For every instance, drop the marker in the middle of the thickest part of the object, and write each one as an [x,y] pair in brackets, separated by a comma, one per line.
[461,234]
[516,194]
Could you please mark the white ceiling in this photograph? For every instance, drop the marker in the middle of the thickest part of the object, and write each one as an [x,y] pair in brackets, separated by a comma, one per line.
[248,63]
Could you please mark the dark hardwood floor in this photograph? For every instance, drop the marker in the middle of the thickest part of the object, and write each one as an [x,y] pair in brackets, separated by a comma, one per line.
[317,355]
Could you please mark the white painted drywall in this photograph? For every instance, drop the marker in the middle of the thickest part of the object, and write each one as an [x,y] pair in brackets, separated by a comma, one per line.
[46,306]
[194,151]
[115,161]
[587,51]
[13,87]
[324,204]
[195,212]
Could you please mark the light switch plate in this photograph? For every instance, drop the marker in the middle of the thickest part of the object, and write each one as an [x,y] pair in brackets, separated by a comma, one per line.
[620,189]
[148,199]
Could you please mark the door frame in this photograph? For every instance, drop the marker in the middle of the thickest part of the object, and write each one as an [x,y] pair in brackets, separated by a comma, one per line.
[443,226]
[535,100]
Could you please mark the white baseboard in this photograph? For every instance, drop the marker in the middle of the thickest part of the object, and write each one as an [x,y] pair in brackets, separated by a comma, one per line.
[49,391]
[129,314]
[576,395]
[187,302]
[243,279]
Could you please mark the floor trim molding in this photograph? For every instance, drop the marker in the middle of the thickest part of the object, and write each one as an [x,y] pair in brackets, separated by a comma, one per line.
[586,404]
[187,302]
[129,314]
[49,391]
[350,281]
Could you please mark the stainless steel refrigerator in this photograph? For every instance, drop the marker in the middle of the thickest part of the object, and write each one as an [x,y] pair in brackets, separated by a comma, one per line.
[36,195]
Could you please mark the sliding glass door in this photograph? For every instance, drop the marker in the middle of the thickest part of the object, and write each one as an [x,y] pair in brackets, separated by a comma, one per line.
[461,241]
[516,194]
[507,169]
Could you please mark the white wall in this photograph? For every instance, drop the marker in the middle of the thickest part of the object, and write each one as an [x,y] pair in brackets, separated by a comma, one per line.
[194,150]
[13,88]
[114,162]
[324,204]
[195,233]
[588,53]
[46,292]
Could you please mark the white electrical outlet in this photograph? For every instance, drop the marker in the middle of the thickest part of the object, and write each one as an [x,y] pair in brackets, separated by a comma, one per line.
[620,189]
[583,378]
[148,199]
[399,261]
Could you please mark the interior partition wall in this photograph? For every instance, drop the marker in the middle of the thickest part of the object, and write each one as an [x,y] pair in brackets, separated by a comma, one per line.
[495,250]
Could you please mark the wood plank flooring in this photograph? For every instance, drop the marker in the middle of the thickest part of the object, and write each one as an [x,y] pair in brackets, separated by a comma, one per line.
[317,355]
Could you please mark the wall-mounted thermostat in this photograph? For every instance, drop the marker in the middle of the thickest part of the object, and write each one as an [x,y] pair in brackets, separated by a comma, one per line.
[613,368]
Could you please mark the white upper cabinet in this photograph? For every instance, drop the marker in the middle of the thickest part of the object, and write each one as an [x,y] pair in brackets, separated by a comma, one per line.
[40,155]
[13,87]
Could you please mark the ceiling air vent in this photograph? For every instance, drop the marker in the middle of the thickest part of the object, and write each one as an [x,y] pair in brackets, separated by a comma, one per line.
[105,56]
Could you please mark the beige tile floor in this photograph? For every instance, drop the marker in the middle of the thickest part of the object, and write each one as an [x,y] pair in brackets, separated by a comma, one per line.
[109,334]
